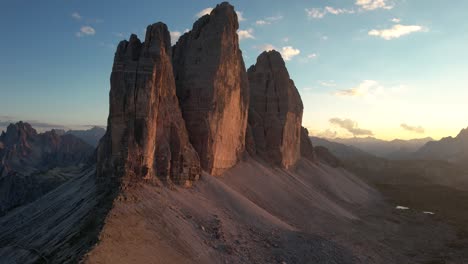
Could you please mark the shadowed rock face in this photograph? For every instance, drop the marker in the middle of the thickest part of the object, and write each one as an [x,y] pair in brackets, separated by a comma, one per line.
[275,114]
[213,89]
[307,149]
[146,136]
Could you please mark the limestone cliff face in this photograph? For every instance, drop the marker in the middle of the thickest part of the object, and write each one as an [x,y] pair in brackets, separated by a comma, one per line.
[307,149]
[146,136]
[275,111]
[212,87]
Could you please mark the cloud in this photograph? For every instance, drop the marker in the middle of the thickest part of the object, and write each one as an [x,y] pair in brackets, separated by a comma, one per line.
[351,126]
[338,11]
[327,134]
[268,20]
[86,31]
[246,34]
[76,16]
[289,52]
[396,20]
[312,56]
[373,4]
[265,47]
[365,88]
[240,16]
[318,13]
[175,35]
[327,83]
[396,31]
[415,129]
[207,11]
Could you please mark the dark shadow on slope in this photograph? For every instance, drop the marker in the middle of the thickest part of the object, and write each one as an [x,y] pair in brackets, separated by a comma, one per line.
[60,227]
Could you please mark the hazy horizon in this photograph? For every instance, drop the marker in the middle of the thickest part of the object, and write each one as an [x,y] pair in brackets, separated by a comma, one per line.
[387,69]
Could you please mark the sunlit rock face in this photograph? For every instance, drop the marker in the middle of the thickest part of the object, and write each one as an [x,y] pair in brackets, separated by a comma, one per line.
[276,108]
[213,90]
[146,136]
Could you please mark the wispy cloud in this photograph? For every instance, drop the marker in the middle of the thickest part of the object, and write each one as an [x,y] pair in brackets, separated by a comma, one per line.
[365,88]
[396,31]
[327,134]
[351,126]
[265,47]
[175,35]
[312,56]
[86,31]
[374,4]
[246,34]
[76,16]
[268,20]
[330,83]
[414,129]
[318,13]
[395,20]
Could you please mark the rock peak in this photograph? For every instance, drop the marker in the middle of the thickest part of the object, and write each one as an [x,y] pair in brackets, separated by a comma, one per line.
[212,88]
[275,113]
[146,137]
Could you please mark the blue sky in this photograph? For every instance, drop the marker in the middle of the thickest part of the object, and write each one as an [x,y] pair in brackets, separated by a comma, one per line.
[392,69]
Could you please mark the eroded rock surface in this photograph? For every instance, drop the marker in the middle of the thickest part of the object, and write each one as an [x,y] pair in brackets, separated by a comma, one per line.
[146,136]
[307,149]
[213,89]
[275,114]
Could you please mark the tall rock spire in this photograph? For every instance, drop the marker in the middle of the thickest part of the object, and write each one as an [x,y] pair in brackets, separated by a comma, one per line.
[146,136]
[212,87]
[275,115]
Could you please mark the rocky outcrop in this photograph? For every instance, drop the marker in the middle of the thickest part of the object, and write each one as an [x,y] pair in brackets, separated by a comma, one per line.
[307,149]
[275,114]
[146,136]
[213,89]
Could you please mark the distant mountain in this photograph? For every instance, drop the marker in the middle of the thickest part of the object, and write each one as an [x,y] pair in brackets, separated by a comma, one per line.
[447,149]
[395,149]
[90,136]
[340,150]
[28,160]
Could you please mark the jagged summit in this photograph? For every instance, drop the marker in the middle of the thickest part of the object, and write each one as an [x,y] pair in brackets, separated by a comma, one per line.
[275,114]
[146,136]
[213,89]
